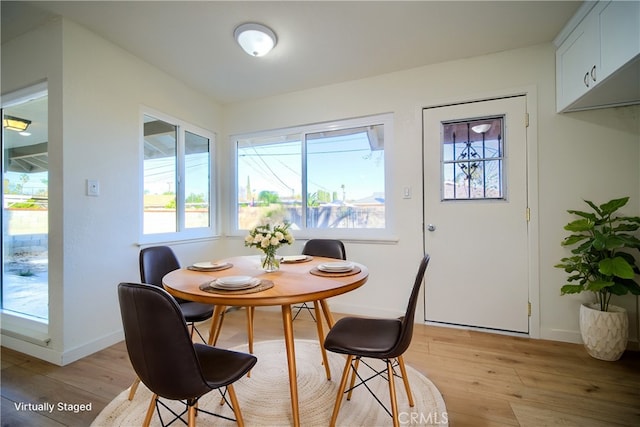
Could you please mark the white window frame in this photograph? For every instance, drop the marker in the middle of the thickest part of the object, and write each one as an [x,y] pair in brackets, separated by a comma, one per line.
[182,233]
[385,234]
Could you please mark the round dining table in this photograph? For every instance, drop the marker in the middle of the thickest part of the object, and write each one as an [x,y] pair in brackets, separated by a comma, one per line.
[296,282]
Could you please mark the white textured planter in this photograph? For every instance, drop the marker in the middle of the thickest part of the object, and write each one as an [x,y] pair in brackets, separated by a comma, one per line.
[604,333]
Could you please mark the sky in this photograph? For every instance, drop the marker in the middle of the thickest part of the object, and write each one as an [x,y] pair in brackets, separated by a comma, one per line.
[332,162]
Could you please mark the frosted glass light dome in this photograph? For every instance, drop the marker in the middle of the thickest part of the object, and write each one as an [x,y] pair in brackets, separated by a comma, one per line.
[255,39]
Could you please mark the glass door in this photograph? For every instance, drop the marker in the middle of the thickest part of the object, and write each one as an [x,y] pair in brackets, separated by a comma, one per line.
[25,207]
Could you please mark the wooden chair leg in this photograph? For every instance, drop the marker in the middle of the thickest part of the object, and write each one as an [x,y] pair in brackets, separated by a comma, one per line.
[216,324]
[152,406]
[392,394]
[341,388]
[320,330]
[353,378]
[236,407]
[134,388]
[192,416]
[405,379]
[327,313]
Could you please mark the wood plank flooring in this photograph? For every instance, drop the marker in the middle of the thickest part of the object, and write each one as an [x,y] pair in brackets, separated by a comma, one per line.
[485,379]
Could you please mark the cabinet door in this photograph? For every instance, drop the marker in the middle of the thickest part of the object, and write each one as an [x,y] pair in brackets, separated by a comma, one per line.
[619,35]
[575,61]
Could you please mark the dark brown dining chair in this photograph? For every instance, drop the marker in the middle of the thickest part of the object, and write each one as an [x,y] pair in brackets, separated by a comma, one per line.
[168,362]
[329,248]
[155,262]
[383,339]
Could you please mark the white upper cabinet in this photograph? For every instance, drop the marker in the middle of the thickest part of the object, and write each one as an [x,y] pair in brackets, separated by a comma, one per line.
[598,59]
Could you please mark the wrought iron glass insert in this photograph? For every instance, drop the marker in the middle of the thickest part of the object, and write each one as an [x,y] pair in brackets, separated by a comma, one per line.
[473,159]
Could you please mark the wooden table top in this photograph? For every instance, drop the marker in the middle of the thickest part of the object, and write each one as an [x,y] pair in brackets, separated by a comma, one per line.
[292,284]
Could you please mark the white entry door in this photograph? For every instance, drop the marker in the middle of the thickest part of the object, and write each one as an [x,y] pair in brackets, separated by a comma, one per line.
[476,214]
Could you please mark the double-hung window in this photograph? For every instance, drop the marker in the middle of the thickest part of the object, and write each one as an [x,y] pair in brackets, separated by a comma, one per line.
[326,179]
[177,179]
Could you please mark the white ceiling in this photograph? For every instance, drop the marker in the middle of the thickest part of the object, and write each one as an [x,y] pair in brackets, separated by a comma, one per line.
[319,42]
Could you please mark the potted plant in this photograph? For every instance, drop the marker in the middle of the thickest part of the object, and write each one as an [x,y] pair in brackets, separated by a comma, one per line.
[601,263]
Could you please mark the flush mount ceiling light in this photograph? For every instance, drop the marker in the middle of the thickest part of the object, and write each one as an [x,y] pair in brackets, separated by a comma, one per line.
[15,123]
[255,39]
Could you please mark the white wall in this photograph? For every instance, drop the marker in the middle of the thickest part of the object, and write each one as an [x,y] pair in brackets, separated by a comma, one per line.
[591,155]
[93,240]
[96,90]
[33,58]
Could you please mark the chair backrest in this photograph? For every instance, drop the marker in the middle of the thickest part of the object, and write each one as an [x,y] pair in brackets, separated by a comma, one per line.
[329,248]
[158,342]
[155,263]
[406,330]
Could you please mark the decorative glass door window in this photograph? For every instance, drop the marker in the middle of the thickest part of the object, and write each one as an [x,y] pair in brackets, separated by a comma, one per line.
[473,159]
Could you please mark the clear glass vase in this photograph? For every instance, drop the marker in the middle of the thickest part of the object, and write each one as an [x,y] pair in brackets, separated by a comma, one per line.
[270,262]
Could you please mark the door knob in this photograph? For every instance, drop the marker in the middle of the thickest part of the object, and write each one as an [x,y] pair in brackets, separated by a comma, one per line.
[431,227]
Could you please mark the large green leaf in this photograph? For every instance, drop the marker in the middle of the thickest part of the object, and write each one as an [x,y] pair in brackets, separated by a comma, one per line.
[631,260]
[573,239]
[598,285]
[625,226]
[618,289]
[571,289]
[599,241]
[616,266]
[613,242]
[584,248]
[613,205]
[631,286]
[630,241]
[580,225]
[588,215]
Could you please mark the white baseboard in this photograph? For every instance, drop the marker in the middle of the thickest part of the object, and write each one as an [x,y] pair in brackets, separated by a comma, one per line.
[92,347]
[56,357]
[36,350]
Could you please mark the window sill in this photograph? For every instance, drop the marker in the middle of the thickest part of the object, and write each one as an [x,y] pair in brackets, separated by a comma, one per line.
[25,328]
[166,240]
[381,239]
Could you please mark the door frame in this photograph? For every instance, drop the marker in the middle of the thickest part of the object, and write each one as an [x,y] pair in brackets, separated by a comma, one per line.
[531,100]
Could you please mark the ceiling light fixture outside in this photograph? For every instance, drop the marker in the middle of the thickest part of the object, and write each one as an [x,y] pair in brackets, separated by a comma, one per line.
[15,123]
[255,39]
[481,128]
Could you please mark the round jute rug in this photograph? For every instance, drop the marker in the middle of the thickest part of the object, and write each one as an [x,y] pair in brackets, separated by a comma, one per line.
[265,400]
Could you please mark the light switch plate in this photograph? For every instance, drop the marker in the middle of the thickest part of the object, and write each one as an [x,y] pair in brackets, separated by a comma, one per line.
[93,187]
[406,193]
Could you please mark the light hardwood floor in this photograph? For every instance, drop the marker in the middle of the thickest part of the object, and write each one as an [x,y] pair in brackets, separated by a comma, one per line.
[485,379]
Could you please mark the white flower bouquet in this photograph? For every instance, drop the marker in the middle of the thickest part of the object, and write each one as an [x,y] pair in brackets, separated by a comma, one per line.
[268,239]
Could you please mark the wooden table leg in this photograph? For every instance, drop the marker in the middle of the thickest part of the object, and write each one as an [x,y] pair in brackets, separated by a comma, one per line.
[325,361]
[250,312]
[287,323]
[216,324]
[327,313]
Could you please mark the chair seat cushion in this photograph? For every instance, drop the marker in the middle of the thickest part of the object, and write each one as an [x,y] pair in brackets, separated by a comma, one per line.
[195,311]
[223,367]
[363,337]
